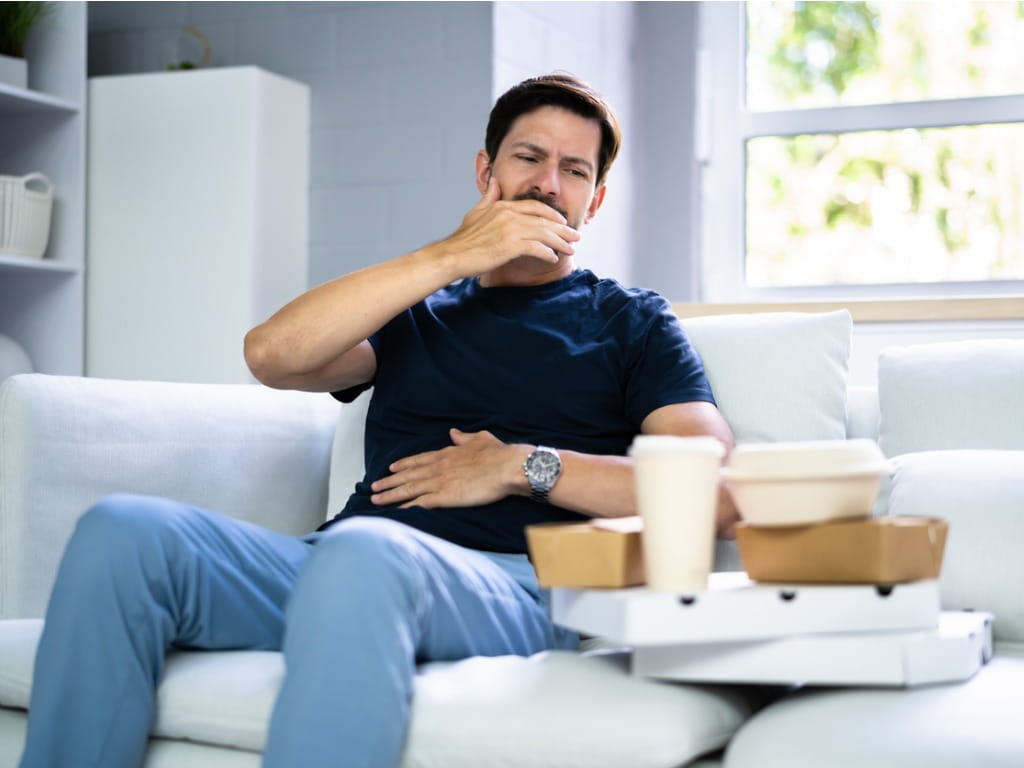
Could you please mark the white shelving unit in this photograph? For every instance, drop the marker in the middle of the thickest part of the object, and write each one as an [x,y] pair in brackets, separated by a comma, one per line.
[42,128]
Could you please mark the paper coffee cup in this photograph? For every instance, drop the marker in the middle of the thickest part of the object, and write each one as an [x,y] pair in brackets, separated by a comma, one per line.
[677,495]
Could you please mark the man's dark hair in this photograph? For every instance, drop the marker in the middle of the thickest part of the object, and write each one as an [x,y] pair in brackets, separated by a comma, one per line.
[556,90]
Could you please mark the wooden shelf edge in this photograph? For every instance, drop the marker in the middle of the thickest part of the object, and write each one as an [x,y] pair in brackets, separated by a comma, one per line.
[879,310]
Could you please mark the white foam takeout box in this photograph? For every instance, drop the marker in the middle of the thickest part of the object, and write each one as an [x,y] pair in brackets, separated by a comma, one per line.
[738,631]
[736,608]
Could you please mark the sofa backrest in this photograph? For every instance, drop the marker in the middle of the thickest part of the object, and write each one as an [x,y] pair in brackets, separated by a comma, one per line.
[952,395]
[245,450]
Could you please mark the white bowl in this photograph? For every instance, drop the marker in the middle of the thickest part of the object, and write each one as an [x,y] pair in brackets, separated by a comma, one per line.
[804,483]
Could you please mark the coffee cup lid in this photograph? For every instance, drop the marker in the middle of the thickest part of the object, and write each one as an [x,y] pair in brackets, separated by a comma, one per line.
[649,445]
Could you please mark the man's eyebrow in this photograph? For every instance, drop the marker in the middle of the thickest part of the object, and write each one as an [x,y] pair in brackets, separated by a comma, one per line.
[544,153]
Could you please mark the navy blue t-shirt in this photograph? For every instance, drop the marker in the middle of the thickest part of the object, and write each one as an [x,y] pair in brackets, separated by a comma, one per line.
[575,364]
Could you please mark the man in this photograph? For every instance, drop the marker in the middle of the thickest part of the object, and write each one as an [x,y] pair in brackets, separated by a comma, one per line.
[507,386]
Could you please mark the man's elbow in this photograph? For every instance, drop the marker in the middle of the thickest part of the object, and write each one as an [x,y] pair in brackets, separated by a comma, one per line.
[258,352]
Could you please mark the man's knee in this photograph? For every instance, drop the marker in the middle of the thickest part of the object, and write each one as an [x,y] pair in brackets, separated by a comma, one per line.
[369,552]
[122,523]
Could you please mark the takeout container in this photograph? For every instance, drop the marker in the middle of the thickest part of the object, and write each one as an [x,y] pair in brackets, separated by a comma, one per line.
[805,482]
[879,550]
[602,553]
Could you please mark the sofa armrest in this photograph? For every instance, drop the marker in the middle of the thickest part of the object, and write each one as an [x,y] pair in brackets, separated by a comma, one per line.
[65,442]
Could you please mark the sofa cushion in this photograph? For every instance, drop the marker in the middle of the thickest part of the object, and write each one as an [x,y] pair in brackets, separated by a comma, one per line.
[162,753]
[777,376]
[553,709]
[347,463]
[965,394]
[981,495]
[975,723]
[18,641]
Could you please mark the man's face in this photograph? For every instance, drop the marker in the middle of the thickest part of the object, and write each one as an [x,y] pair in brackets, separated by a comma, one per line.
[550,155]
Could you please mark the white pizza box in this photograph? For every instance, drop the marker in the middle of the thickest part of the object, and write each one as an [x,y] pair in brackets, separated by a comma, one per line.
[735,608]
[953,651]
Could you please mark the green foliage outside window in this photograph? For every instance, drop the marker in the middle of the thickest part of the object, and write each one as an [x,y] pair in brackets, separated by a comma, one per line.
[884,206]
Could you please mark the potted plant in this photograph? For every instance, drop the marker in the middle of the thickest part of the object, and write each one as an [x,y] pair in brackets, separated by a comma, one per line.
[16,21]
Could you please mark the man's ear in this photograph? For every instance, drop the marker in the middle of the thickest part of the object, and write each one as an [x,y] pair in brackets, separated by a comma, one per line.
[483,170]
[595,203]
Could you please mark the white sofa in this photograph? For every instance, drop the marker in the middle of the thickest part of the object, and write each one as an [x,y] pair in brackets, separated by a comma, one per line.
[950,415]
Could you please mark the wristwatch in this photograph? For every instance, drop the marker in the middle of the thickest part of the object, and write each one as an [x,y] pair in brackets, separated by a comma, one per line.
[543,467]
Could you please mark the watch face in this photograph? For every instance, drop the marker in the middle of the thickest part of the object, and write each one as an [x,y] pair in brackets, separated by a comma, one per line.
[544,467]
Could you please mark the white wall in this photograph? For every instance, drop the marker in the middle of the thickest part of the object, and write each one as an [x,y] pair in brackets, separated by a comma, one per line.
[594,41]
[666,239]
[400,94]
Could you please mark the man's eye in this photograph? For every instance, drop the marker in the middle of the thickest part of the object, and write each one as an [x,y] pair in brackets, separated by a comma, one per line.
[578,173]
[527,158]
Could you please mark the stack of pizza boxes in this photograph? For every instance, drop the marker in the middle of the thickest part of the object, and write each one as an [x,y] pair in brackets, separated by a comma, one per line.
[830,594]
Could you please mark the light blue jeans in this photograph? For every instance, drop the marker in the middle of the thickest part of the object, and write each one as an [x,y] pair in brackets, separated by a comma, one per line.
[353,609]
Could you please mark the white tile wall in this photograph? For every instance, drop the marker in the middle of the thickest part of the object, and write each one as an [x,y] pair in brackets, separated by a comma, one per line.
[592,40]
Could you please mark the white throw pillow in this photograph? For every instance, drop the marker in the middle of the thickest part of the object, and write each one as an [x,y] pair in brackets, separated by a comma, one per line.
[777,376]
[981,495]
[964,394]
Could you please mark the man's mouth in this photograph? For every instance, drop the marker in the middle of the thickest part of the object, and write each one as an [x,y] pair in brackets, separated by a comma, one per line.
[535,195]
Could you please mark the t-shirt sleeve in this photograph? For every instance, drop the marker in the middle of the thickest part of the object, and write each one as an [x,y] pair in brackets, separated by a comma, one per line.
[350,394]
[665,368]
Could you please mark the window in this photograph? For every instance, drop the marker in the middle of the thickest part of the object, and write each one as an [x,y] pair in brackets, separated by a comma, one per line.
[861,149]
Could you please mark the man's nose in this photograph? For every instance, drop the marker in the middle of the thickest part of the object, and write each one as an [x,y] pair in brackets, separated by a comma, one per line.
[546,181]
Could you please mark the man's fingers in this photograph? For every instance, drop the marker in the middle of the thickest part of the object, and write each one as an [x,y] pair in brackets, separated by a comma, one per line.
[539,251]
[493,192]
[548,244]
[537,208]
[385,493]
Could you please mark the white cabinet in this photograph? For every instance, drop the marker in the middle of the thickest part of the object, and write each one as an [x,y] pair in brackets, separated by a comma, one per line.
[198,218]
[42,128]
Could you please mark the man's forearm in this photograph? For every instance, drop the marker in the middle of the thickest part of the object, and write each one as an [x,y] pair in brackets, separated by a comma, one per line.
[315,341]
[603,486]
[480,469]
[593,485]
[306,335]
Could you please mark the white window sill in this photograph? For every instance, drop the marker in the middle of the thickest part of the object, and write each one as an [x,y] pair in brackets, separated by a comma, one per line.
[879,310]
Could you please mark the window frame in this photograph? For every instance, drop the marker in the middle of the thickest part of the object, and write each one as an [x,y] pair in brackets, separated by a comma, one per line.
[724,125]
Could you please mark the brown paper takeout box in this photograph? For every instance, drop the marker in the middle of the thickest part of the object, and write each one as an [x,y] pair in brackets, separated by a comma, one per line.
[596,553]
[879,550]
